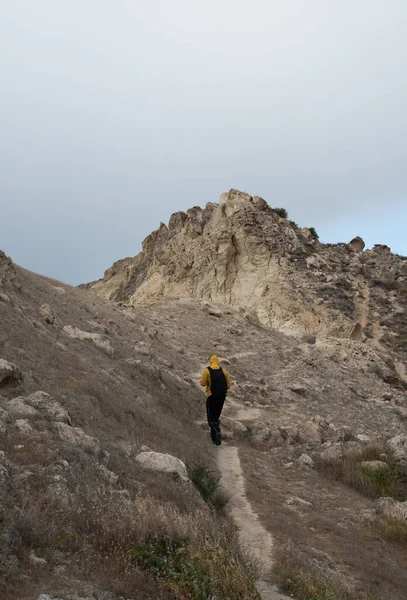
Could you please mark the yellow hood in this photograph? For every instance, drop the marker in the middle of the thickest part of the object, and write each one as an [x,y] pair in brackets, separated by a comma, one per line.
[214,362]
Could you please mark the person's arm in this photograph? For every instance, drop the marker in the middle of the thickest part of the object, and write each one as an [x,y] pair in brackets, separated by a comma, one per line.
[228,382]
[205,378]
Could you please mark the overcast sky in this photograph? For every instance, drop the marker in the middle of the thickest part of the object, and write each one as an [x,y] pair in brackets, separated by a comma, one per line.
[116,113]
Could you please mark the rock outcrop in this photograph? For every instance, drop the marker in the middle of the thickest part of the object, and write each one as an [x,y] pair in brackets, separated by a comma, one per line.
[357,244]
[8,275]
[242,253]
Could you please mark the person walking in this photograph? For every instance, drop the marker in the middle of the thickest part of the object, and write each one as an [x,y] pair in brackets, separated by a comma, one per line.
[216,380]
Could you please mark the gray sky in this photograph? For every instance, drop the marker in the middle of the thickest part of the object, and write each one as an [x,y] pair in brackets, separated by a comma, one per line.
[116,113]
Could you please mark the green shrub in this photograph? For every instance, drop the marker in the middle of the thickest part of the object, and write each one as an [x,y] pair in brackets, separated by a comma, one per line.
[281,212]
[185,574]
[314,233]
[207,485]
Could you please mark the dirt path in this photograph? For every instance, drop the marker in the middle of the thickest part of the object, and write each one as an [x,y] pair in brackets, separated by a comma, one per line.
[253,536]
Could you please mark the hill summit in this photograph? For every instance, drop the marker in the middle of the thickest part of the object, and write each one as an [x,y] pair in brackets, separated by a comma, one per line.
[243,253]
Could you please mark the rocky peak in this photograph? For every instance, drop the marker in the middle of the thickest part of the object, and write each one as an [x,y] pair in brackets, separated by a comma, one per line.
[244,253]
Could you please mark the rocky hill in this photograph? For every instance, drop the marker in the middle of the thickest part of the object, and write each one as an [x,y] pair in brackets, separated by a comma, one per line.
[108,480]
[243,253]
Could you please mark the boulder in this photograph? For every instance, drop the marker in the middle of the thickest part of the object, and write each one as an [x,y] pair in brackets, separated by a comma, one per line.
[392,509]
[18,406]
[309,433]
[23,426]
[306,461]
[259,433]
[164,463]
[357,244]
[232,428]
[361,437]
[381,248]
[39,402]
[77,437]
[316,262]
[10,374]
[399,446]
[211,310]
[36,560]
[332,452]
[49,315]
[374,465]
[46,403]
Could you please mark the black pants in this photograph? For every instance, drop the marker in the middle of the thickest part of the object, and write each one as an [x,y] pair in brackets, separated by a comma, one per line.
[214,407]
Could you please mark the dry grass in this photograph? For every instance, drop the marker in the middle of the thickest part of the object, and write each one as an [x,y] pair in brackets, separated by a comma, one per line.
[303,580]
[192,556]
[328,533]
[368,482]
[105,537]
[23,449]
[393,531]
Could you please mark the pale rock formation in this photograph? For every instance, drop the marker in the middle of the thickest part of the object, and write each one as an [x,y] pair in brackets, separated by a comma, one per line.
[241,253]
[392,509]
[98,339]
[165,463]
[77,437]
[49,315]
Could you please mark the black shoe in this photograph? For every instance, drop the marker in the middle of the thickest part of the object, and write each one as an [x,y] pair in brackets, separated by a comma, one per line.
[218,439]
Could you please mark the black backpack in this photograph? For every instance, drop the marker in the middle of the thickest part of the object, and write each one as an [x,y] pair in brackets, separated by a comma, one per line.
[218,385]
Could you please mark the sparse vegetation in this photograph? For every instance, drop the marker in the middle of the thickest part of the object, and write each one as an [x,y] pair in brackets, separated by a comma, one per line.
[207,485]
[282,212]
[373,483]
[393,531]
[309,584]
[338,297]
[314,233]
[192,555]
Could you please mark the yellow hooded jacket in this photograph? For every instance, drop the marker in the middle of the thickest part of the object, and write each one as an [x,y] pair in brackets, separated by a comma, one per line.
[206,376]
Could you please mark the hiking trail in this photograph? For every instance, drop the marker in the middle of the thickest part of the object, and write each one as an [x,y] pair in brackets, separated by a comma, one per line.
[253,536]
